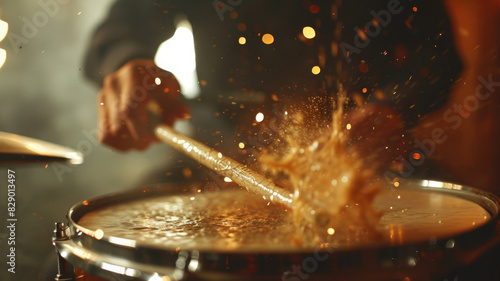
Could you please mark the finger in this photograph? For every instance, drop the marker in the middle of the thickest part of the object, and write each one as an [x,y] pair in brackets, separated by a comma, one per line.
[103,119]
[111,94]
[120,141]
[116,140]
[109,134]
[176,110]
[140,142]
[133,107]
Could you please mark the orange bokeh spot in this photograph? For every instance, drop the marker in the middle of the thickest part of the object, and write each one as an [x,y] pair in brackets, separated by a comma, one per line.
[166,90]
[242,27]
[416,156]
[268,39]
[314,9]
[363,67]
[365,90]
[415,9]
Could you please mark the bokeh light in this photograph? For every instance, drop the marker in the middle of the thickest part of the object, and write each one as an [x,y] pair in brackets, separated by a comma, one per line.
[268,39]
[316,70]
[309,32]
[259,117]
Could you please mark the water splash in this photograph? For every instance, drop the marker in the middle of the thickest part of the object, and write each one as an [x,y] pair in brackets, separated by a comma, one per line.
[334,187]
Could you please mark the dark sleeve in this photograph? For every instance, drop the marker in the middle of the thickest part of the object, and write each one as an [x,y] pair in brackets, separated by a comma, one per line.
[133,29]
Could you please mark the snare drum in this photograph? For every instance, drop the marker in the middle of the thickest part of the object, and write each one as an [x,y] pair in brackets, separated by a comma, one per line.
[430,230]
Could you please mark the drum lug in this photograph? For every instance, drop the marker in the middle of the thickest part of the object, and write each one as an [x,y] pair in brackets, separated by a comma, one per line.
[63,271]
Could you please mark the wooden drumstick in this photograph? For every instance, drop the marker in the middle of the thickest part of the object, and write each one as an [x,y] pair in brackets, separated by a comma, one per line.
[225,166]
[214,160]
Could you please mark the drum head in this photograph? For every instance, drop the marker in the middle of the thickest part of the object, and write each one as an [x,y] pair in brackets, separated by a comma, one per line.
[183,232]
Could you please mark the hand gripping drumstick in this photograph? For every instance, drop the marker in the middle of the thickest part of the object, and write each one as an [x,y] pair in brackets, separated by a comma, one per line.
[223,165]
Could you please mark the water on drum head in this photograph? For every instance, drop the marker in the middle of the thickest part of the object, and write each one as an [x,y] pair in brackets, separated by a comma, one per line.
[238,221]
[234,219]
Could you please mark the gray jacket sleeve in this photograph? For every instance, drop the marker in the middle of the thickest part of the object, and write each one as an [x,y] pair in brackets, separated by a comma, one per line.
[133,29]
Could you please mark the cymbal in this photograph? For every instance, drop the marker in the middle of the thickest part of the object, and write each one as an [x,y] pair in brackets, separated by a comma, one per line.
[19,149]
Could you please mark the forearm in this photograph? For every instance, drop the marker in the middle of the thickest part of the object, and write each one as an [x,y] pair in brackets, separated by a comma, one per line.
[133,29]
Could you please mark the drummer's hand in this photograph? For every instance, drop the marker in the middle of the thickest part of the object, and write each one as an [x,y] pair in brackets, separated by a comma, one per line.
[123,104]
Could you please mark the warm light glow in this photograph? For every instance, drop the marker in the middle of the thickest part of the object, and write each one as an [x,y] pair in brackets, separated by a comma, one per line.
[348,126]
[429,183]
[241,145]
[157,277]
[362,34]
[4,28]
[122,242]
[3,57]
[415,9]
[316,70]
[99,234]
[331,231]
[177,55]
[113,268]
[181,50]
[268,39]
[157,81]
[242,40]
[396,184]
[380,95]
[416,156]
[365,90]
[309,32]
[259,117]
[226,179]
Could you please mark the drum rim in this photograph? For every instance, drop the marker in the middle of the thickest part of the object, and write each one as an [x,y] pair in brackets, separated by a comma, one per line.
[80,236]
